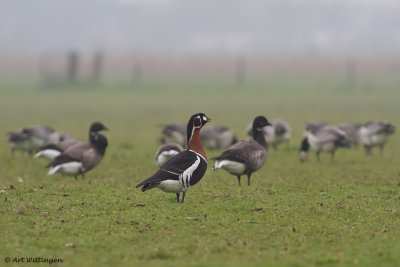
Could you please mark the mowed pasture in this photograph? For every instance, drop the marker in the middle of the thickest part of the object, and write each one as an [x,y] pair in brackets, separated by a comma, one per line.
[344,212]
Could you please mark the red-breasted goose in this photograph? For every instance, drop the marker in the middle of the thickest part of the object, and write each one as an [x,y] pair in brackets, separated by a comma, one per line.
[246,157]
[79,159]
[167,151]
[375,133]
[324,139]
[53,150]
[186,168]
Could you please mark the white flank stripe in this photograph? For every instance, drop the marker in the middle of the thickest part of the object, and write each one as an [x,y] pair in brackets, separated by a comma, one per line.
[69,168]
[184,178]
[170,172]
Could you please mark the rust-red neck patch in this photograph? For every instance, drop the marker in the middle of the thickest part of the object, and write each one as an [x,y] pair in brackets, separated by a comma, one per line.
[195,143]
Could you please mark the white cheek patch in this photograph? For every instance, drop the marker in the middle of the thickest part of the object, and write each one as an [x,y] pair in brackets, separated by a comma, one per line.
[205,118]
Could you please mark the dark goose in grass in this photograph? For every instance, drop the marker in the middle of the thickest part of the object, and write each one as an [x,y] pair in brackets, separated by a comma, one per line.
[313,126]
[279,132]
[167,151]
[375,133]
[217,137]
[186,168]
[31,139]
[246,157]
[81,158]
[174,133]
[53,150]
[323,139]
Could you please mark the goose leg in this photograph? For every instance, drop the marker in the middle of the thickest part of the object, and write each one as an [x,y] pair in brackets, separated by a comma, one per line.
[332,155]
[381,148]
[317,153]
[177,197]
[238,179]
[183,196]
[76,176]
[248,179]
[83,175]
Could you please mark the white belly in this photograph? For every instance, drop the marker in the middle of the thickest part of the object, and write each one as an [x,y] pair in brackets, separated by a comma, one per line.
[379,139]
[372,139]
[171,186]
[70,168]
[318,146]
[364,136]
[314,143]
[233,167]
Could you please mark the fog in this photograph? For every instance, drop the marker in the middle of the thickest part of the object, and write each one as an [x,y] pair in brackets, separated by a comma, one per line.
[281,27]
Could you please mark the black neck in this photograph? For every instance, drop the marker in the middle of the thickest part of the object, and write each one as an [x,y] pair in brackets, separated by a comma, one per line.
[259,137]
[99,146]
[101,149]
[305,146]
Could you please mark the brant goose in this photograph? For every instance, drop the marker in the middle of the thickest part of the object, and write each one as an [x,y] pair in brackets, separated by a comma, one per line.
[53,150]
[352,131]
[375,133]
[217,137]
[31,139]
[80,158]
[313,126]
[280,132]
[326,138]
[174,133]
[186,168]
[167,151]
[246,156]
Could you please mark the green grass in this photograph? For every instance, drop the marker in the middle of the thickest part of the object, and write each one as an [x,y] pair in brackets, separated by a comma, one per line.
[294,214]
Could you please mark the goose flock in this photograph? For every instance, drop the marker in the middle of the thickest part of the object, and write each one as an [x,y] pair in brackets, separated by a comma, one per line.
[181,158]
[67,156]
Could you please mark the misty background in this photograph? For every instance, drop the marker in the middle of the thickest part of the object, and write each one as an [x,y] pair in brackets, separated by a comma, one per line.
[141,39]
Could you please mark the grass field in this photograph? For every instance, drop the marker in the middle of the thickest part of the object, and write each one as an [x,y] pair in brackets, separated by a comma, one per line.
[344,212]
